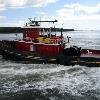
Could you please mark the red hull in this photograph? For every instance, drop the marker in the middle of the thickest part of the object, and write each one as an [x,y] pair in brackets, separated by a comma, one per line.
[90,52]
[49,50]
[23,46]
[41,49]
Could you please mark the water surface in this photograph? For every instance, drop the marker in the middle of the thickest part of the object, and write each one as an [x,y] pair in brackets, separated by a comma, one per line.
[20,81]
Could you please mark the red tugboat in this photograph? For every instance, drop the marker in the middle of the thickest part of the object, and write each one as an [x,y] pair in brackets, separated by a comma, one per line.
[40,41]
[41,45]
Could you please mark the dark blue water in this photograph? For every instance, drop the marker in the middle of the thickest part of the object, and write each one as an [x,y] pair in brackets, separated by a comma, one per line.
[51,82]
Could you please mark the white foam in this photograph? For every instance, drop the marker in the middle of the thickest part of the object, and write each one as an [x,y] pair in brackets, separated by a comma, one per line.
[75,80]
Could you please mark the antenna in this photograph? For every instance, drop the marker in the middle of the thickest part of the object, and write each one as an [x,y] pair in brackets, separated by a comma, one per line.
[30,19]
[35,18]
[35,22]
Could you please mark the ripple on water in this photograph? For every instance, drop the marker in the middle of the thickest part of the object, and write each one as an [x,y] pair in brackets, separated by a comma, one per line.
[76,81]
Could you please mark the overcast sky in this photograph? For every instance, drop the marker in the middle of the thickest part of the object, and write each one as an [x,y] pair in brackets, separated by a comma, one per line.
[77,14]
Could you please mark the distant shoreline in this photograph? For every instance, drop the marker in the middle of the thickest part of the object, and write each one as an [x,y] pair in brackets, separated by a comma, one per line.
[18,29]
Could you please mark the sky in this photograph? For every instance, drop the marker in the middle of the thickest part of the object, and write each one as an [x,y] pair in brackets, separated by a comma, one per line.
[76,14]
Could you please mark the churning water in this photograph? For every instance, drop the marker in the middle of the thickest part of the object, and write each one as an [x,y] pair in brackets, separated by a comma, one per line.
[20,81]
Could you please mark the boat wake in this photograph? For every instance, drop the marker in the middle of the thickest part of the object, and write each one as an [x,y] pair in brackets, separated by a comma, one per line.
[49,81]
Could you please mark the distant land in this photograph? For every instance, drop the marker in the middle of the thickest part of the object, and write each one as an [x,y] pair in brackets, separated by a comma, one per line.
[18,29]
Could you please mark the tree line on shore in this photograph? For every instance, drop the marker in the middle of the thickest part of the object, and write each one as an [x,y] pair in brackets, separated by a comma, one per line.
[19,30]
